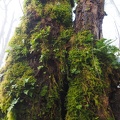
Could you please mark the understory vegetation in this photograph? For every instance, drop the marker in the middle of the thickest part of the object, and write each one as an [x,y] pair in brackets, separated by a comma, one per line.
[53,73]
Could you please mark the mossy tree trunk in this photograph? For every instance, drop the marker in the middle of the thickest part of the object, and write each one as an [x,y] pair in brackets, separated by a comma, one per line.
[82,100]
[89,16]
[39,42]
[54,71]
[48,57]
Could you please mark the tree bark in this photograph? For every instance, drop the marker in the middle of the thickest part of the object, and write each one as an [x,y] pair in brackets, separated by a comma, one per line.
[89,16]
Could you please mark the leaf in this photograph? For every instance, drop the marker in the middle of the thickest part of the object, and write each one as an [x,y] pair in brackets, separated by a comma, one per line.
[96,100]
[79,107]
[14,86]
[26,80]
[30,94]
[15,101]
[96,65]
[44,91]
[26,92]
[40,67]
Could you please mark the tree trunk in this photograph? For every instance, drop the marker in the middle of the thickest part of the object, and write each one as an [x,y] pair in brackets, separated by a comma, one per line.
[89,16]
[67,85]
[47,34]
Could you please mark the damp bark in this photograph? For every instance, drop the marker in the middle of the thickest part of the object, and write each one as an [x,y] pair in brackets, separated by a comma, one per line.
[89,16]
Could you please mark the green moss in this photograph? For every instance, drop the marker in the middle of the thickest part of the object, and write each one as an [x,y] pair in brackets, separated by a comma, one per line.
[60,11]
[87,80]
[39,39]
[24,97]
[33,13]
[18,47]
[33,8]
[44,91]
[65,35]
[18,80]
[62,14]
[66,59]
[11,115]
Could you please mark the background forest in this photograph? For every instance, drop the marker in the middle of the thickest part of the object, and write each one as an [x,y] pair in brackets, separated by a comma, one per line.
[59,69]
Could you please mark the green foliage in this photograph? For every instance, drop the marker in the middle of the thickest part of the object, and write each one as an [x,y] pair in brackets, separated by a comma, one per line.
[33,13]
[18,80]
[38,38]
[44,91]
[87,80]
[22,95]
[18,47]
[65,35]
[14,102]
[11,115]
[107,52]
[62,14]
[60,46]
[26,2]
[35,93]
[60,11]
[33,8]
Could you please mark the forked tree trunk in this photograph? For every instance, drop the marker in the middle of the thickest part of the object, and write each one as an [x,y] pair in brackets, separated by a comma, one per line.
[89,16]
[49,60]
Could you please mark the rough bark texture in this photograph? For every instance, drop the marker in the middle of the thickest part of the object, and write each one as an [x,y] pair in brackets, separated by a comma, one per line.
[89,16]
